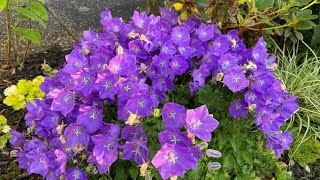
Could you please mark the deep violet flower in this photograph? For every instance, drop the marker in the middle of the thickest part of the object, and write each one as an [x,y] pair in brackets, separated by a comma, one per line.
[173,116]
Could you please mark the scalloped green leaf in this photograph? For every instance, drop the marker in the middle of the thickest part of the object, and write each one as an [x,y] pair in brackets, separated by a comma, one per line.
[264,4]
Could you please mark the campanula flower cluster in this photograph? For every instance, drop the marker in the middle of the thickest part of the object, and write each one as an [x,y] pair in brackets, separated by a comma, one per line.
[131,66]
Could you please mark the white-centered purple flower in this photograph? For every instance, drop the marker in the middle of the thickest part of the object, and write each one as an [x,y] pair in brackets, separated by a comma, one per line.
[63,101]
[173,115]
[201,123]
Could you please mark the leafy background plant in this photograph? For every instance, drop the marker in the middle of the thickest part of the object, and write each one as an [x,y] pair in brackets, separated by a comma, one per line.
[21,18]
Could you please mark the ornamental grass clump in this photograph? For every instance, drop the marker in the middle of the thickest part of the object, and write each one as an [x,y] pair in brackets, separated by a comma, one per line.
[117,79]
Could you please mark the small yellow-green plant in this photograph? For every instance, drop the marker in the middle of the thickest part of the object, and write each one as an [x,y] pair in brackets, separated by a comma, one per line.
[4,131]
[25,91]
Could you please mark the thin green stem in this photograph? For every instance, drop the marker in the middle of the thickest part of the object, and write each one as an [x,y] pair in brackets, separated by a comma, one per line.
[311,4]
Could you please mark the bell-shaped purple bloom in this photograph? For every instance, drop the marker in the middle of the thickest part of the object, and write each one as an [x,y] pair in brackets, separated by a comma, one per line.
[75,62]
[83,82]
[239,109]
[220,46]
[122,64]
[39,163]
[268,120]
[90,117]
[105,150]
[36,111]
[227,62]
[59,162]
[110,130]
[141,20]
[178,65]
[279,141]
[206,32]
[168,48]
[133,133]
[105,85]
[76,174]
[289,107]
[140,104]
[180,35]
[235,80]
[17,138]
[173,116]
[51,119]
[63,101]
[136,151]
[174,160]
[169,16]
[76,135]
[174,137]
[201,123]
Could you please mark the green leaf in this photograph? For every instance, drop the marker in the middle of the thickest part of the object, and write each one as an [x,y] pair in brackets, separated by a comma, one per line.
[39,9]
[134,171]
[2,4]
[30,14]
[29,34]
[299,35]
[305,25]
[264,4]
[202,3]
[302,2]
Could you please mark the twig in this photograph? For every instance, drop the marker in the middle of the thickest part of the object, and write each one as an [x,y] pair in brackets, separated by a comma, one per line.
[61,23]
[8,21]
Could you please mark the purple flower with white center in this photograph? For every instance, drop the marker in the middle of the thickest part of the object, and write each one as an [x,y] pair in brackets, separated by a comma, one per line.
[173,116]
[169,16]
[133,133]
[105,150]
[178,65]
[51,120]
[140,104]
[157,97]
[75,62]
[180,35]
[122,64]
[90,117]
[174,137]
[185,51]
[162,64]
[48,85]
[76,135]
[83,82]
[259,52]
[262,82]
[254,97]
[227,62]
[174,160]
[220,46]
[136,151]
[206,32]
[168,48]
[76,174]
[35,144]
[201,123]
[39,163]
[235,80]
[239,109]
[36,111]
[63,101]
[136,47]
[267,120]
[105,16]
[17,138]
[279,141]
[162,83]
[199,76]
[141,20]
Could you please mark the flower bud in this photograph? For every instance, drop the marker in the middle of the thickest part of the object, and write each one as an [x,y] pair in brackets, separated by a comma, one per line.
[213,153]
[156,113]
[214,166]
[203,145]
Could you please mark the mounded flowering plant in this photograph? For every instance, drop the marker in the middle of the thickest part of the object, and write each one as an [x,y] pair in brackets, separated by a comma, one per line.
[115,84]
